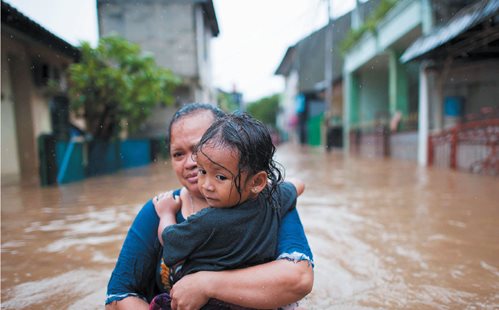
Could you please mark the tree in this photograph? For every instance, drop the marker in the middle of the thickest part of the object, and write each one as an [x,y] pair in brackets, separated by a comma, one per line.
[265,109]
[229,102]
[114,86]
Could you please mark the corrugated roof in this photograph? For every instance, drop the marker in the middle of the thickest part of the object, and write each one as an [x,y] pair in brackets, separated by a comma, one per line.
[464,20]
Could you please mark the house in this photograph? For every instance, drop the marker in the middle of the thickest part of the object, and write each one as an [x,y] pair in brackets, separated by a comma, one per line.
[459,109]
[381,93]
[34,84]
[304,105]
[178,34]
[382,101]
[419,83]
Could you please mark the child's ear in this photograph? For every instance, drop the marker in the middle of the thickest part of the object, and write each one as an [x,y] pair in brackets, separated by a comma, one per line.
[258,182]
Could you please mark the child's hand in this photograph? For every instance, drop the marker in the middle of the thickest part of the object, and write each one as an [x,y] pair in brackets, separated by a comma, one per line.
[166,207]
[165,203]
[299,185]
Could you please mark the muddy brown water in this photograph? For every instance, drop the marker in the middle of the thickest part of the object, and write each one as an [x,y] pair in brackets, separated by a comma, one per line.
[385,234]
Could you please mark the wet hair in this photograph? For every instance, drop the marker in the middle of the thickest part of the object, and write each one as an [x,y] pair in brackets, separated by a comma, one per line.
[251,139]
[188,110]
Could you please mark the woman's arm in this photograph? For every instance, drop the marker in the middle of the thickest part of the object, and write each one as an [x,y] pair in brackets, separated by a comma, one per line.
[133,278]
[269,285]
[128,303]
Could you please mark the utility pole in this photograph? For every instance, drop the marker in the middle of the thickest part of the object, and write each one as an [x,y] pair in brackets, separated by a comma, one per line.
[328,73]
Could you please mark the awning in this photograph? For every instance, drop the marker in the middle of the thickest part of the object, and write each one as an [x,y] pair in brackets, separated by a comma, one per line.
[465,19]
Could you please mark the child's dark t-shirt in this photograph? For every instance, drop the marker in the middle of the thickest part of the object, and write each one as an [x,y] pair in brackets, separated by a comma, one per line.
[228,238]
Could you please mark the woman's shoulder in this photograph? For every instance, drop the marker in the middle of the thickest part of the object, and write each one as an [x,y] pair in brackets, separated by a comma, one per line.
[176,192]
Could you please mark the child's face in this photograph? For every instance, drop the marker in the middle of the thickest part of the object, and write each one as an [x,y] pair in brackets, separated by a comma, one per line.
[218,168]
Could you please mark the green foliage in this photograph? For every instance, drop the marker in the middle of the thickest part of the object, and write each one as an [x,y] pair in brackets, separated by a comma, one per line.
[226,102]
[369,25]
[115,86]
[265,109]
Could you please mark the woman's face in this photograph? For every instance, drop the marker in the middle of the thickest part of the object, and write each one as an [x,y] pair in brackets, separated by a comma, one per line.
[184,135]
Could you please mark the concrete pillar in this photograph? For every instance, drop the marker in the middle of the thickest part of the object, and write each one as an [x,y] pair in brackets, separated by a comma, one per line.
[423,116]
[22,91]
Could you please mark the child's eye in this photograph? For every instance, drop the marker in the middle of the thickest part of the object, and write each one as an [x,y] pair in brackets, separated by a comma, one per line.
[221,177]
[202,171]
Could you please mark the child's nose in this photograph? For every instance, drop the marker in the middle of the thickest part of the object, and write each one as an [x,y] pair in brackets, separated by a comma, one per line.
[207,185]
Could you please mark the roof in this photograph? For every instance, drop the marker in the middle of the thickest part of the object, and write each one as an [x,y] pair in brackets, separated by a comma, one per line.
[212,17]
[14,19]
[464,20]
[307,56]
[311,55]
[287,62]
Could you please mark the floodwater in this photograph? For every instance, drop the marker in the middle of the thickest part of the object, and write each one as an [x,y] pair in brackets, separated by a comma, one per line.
[385,234]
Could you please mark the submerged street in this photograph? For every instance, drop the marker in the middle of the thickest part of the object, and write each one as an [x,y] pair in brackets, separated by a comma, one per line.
[384,233]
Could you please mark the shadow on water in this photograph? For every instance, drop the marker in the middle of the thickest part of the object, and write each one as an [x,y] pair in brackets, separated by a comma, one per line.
[385,234]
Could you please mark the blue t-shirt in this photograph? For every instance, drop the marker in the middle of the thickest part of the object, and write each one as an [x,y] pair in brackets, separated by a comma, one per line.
[138,269]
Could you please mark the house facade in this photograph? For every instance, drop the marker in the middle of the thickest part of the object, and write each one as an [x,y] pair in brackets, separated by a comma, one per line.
[381,93]
[31,105]
[459,87]
[418,82]
[178,34]
[414,84]
[308,115]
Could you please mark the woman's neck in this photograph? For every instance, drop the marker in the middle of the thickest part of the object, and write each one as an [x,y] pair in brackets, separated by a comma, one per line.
[192,203]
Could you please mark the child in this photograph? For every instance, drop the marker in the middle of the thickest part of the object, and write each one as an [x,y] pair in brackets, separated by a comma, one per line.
[247,197]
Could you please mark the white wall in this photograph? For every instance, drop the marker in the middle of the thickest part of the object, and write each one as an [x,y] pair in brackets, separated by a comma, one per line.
[10,153]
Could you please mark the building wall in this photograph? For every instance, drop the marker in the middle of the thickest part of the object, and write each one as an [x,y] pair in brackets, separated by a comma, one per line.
[404,145]
[165,29]
[203,43]
[373,95]
[26,104]
[287,119]
[337,107]
[176,33]
[477,83]
[10,154]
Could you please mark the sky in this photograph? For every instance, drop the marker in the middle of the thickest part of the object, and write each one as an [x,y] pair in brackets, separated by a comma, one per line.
[254,35]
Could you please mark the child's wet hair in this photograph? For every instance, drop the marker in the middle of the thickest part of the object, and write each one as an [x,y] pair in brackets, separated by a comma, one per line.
[251,139]
[188,110]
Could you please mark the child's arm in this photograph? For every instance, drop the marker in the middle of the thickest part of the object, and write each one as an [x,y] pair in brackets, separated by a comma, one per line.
[299,185]
[166,206]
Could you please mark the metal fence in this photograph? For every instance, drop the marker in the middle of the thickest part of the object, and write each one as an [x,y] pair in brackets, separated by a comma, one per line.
[471,146]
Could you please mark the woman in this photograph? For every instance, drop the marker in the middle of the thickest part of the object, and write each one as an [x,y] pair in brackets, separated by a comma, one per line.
[136,278]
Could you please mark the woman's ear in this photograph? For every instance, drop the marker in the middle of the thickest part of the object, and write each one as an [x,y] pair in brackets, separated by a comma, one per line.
[258,182]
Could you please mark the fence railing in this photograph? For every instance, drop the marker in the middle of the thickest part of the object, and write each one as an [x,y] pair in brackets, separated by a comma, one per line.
[63,161]
[471,146]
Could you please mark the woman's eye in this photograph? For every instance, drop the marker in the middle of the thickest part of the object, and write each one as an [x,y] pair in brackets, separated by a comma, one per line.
[176,155]
[221,177]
